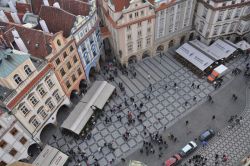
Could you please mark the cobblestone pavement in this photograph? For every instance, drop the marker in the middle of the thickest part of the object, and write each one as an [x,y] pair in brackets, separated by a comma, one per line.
[167,105]
[235,142]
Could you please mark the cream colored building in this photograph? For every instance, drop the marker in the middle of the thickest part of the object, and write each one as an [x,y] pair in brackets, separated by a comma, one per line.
[30,91]
[14,140]
[131,24]
[228,19]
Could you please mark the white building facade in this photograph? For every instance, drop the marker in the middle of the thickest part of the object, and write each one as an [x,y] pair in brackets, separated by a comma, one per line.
[227,19]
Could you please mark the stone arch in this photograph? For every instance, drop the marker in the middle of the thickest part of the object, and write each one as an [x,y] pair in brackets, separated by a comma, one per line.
[92,73]
[132,59]
[182,40]
[146,54]
[62,113]
[34,150]
[191,36]
[160,48]
[198,38]
[171,44]
[83,86]
[211,42]
[47,132]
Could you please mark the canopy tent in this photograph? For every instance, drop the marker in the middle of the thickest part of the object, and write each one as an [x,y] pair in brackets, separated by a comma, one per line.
[221,49]
[243,45]
[50,156]
[96,96]
[194,56]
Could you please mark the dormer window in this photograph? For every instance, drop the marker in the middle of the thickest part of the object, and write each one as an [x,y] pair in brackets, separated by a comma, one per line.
[17,79]
[27,70]
[58,42]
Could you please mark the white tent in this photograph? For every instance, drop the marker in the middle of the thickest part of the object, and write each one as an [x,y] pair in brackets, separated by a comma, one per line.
[243,45]
[194,56]
[96,96]
[221,49]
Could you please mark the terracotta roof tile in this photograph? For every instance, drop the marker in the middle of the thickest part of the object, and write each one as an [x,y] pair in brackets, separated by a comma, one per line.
[23,7]
[36,5]
[120,4]
[37,42]
[57,19]
[75,7]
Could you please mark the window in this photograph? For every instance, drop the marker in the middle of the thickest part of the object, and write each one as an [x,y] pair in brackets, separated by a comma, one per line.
[129,27]
[13,131]
[224,4]
[201,26]
[220,16]
[129,37]
[35,122]
[130,47]
[50,105]
[148,41]
[73,78]
[23,140]
[50,83]
[41,91]
[65,55]
[232,27]
[204,14]
[13,152]
[237,13]
[17,79]
[224,28]
[142,13]
[69,65]
[74,59]
[139,24]
[79,71]
[58,42]
[57,96]
[139,33]
[27,70]
[149,30]
[71,48]
[139,44]
[229,14]
[136,14]
[58,61]
[216,28]
[130,16]
[62,72]
[68,84]
[2,163]
[24,110]
[33,100]
[3,144]
[1,127]
[42,112]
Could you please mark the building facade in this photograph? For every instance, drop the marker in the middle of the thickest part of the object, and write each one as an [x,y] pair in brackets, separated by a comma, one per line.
[227,19]
[14,140]
[174,19]
[30,91]
[131,24]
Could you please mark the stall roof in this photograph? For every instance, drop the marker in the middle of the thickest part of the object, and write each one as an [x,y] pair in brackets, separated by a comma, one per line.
[194,56]
[97,96]
[243,45]
[50,156]
[221,48]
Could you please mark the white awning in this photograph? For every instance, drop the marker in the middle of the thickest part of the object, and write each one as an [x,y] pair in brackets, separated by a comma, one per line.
[243,45]
[97,96]
[50,157]
[194,56]
[221,49]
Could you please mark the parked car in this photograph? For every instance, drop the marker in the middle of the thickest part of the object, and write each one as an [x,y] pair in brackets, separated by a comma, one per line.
[206,135]
[186,150]
[174,160]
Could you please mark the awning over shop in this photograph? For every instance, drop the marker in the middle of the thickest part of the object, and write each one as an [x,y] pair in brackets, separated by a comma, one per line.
[243,45]
[50,157]
[96,96]
[194,56]
[221,48]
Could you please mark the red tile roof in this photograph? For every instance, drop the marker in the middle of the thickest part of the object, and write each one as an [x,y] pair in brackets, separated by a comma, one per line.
[36,5]
[75,7]
[57,19]
[23,7]
[37,42]
[120,4]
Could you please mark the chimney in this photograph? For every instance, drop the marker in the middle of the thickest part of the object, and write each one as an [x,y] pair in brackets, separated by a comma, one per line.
[44,26]
[46,2]
[3,17]
[15,17]
[19,42]
[56,5]
[12,6]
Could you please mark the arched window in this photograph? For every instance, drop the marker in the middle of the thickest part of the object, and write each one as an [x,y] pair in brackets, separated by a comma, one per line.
[17,79]
[27,70]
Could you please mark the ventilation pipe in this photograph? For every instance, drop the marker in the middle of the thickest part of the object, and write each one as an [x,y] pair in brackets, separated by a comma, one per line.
[46,2]
[15,17]
[56,4]
[44,26]
[3,17]
[19,42]
[12,6]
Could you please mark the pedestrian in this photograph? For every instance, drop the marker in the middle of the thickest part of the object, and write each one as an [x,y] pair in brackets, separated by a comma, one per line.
[194,98]
[213,117]
[123,159]
[187,122]
[224,158]
[175,84]
[186,103]
[149,77]
[198,86]
[192,85]
[166,87]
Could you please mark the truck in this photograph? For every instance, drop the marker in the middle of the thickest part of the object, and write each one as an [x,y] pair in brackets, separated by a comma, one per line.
[217,72]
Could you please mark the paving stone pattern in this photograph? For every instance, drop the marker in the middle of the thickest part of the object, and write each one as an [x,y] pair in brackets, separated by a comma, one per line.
[167,105]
